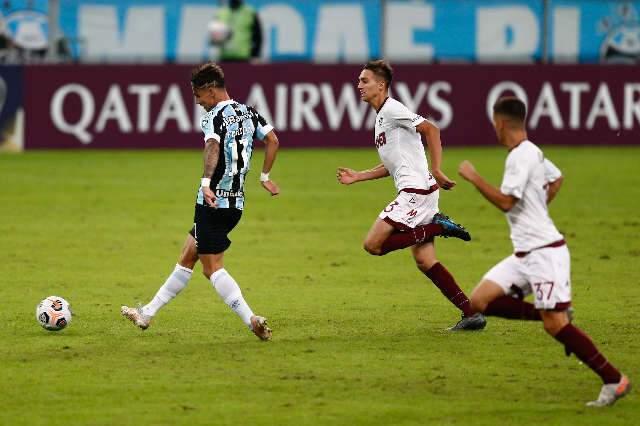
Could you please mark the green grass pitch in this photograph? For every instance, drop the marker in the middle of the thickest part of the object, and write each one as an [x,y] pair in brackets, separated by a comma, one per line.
[358,340]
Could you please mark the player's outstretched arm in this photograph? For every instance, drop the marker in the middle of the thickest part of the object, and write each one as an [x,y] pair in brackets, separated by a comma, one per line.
[210,156]
[494,195]
[271,150]
[430,133]
[348,176]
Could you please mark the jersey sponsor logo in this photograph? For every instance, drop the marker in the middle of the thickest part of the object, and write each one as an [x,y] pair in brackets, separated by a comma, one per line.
[381,140]
[236,118]
[223,193]
[412,213]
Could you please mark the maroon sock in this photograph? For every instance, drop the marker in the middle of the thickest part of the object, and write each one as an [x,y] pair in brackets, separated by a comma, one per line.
[447,285]
[580,344]
[419,234]
[512,308]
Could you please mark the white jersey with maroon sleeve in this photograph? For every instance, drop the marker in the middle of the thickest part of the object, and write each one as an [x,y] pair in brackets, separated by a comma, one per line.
[526,176]
[400,146]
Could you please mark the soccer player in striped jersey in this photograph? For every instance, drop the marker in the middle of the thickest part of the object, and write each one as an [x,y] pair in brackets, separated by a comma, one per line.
[413,218]
[540,263]
[229,129]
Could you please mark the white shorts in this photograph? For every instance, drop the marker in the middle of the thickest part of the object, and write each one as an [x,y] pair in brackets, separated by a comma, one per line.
[544,272]
[409,210]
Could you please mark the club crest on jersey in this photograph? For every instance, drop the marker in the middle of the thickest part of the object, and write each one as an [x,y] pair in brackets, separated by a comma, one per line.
[380,121]
[381,140]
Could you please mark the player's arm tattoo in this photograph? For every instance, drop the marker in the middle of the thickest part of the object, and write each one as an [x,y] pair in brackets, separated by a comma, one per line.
[211,154]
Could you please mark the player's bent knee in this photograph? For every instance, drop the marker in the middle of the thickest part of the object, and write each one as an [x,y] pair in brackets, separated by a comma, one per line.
[425,264]
[553,327]
[372,248]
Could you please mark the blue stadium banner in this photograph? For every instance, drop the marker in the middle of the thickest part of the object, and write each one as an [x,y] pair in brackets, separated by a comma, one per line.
[152,30]
[11,109]
[595,31]
[345,31]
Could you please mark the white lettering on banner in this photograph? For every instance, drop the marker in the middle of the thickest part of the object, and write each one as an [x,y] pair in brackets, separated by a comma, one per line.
[546,106]
[142,38]
[173,109]
[114,109]
[144,92]
[603,107]
[400,24]
[193,35]
[282,92]
[341,34]
[631,105]
[505,30]
[78,129]
[566,31]
[439,104]
[304,98]
[258,100]
[304,106]
[411,102]
[284,30]
[356,110]
[433,99]
[506,34]
[497,91]
[574,89]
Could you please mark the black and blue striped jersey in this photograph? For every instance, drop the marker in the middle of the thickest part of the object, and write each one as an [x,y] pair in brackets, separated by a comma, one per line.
[234,126]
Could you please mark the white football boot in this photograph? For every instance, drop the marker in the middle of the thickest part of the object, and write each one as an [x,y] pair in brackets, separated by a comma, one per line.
[136,316]
[612,392]
[259,327]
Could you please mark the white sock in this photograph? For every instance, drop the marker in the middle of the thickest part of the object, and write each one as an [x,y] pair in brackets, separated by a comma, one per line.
[230,293]
[170,289]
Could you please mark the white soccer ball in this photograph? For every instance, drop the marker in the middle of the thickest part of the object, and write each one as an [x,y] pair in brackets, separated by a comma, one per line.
[219,32]
[53,313]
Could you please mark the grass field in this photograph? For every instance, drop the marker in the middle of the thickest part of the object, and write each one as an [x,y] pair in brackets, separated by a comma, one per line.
[358,340]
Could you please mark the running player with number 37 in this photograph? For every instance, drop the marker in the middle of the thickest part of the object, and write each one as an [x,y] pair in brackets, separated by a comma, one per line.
[540,263]
[229,129]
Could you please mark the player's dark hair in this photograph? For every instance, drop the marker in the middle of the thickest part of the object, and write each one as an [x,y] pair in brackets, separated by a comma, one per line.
[511,107]
[381,68]
[207,74]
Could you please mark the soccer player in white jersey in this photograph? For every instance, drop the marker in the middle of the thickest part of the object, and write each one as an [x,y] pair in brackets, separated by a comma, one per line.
[229,129]
[412,219]
[540,263]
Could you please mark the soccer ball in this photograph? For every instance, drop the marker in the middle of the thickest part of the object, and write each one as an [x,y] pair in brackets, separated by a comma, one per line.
[219,32]
[53,313]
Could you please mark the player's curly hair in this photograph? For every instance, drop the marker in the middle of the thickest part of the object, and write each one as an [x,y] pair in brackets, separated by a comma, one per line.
[207,74]
[511,107]
[381,68]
